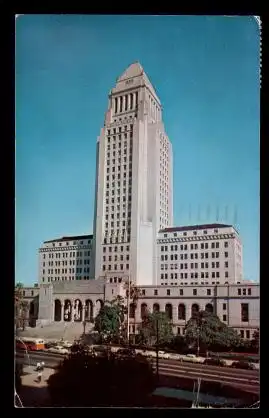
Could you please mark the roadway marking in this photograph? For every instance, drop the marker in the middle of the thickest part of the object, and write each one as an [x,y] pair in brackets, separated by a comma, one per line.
[177,370]
[222,371]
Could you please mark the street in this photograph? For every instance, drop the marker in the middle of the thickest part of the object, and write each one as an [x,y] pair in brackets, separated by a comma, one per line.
[244,379]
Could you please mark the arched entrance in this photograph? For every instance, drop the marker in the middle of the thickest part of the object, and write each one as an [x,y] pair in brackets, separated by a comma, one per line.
[57,310]
[181,311]
[88,310]
[132,310]
[156,307]
[78,311]
[99,305]
[67,310]
[209,308]
[169,310]
[194,310]
[144,310]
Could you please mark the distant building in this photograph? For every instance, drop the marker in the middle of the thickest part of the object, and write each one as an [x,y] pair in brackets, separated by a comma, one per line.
[199,254]
[66,258]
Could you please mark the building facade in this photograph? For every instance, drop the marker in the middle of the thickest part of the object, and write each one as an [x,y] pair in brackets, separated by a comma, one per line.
[237,305]
[199,254]
[134,193]
[66,258]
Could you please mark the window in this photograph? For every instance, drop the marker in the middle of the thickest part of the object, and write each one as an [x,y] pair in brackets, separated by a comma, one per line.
[143,292]
[155,292]
[224,306]
[168,292]
[247,334]
[224,318]
[225,244]
[249,291]
[244,312]
[208,292]
[205,231]
[194,292]
[226,254]
[181,292]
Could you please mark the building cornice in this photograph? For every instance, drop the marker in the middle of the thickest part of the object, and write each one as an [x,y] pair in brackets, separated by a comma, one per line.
[194,238]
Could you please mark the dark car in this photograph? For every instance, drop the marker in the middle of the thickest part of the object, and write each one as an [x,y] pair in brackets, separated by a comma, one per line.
[214,362]
[242,365]
[126,352]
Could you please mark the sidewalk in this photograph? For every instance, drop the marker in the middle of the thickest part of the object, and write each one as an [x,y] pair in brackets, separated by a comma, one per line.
[34,394]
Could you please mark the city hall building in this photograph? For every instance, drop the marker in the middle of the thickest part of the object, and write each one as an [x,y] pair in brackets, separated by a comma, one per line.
[177,269]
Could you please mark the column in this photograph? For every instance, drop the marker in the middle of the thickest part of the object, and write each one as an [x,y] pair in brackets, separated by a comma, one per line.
[83,312]
[123,103]
[128,102]
[62,312]
[73,311]
[188,312]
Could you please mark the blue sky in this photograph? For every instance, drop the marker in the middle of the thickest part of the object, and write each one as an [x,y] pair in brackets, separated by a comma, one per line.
[206,73]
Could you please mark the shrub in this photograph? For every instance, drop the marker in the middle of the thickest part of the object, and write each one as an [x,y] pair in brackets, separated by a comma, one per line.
[85,381]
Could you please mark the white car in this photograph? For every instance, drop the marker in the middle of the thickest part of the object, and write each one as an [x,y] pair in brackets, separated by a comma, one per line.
[58,350]
[163,355]
[173,356]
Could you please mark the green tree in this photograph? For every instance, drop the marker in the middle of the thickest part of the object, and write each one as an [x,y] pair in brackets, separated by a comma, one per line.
[84,381]
[153,325]
[211,333]
[108,322]
[255,342]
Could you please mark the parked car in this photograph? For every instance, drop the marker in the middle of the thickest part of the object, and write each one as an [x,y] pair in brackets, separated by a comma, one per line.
[243,365]
[163,355]
[214,362]
[126,352]
[101,351]
[173,356]
[58,350]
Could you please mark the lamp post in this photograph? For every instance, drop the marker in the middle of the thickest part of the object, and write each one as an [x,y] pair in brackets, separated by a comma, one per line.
[128,309]
[157,348]
[84,326]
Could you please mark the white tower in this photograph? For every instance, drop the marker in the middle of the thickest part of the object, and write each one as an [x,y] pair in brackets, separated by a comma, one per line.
[134,193]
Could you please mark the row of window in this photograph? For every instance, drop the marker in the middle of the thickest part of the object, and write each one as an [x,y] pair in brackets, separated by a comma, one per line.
[74,243]
[117,238]
[51,279]
[71,270]
[71,254]
[115,249]
[194,233]
[192,256]
[195,265]
[115,257]
[71,262]
[185,247]
[196,275]
[244,291]
[121,267]
[114,130]
[118,223]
